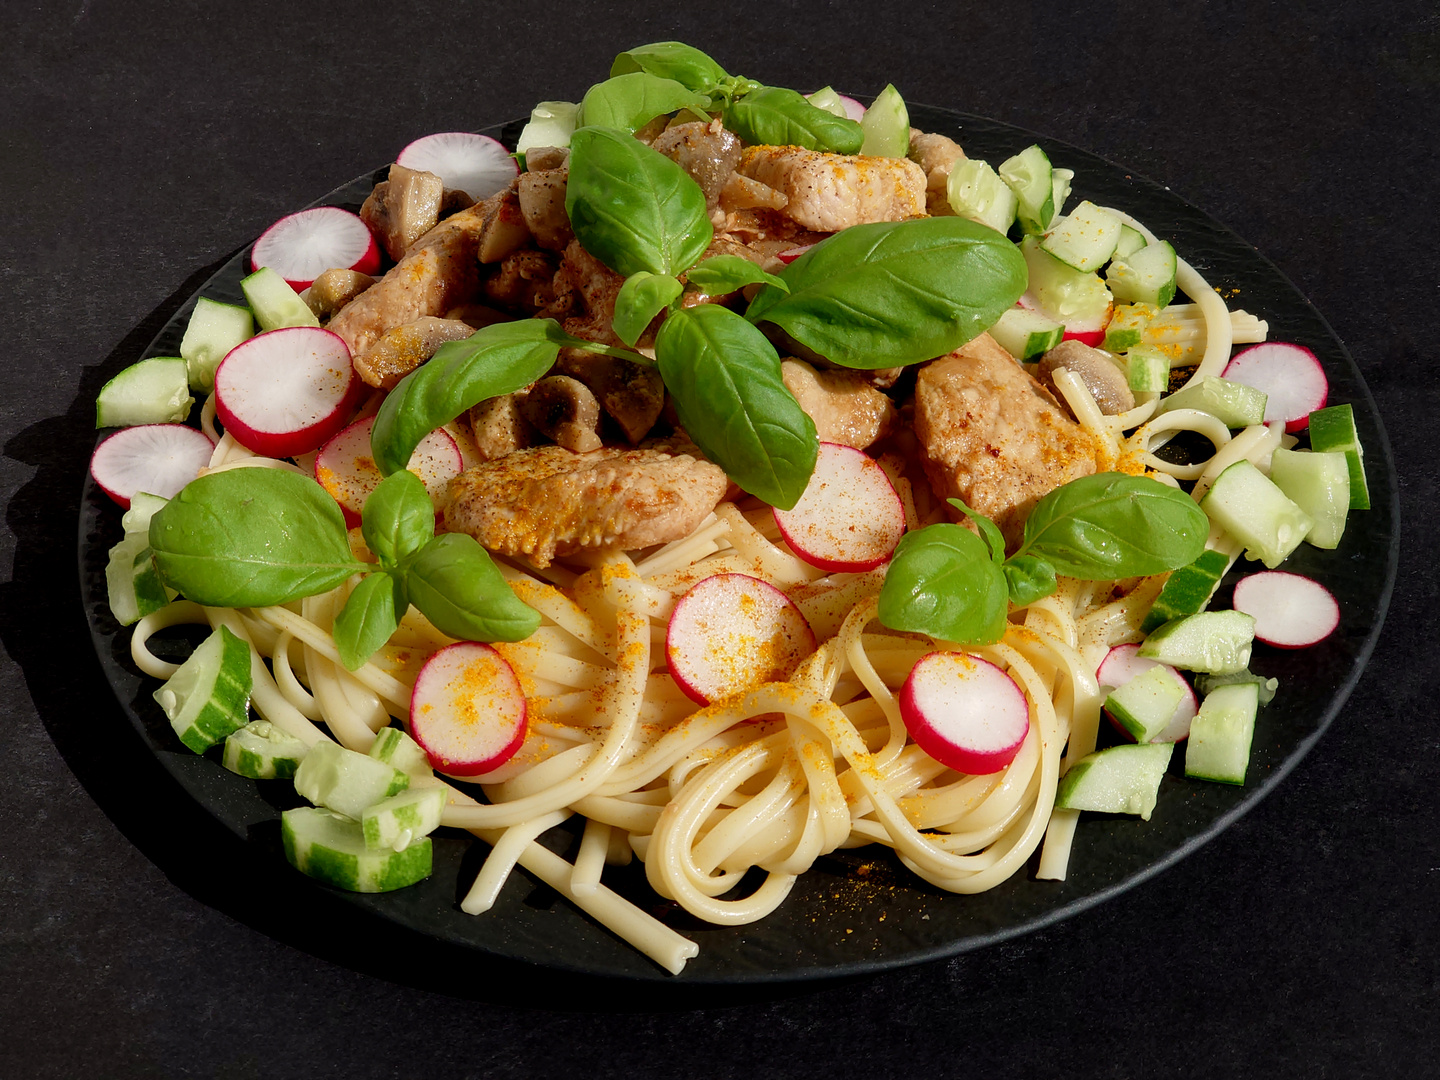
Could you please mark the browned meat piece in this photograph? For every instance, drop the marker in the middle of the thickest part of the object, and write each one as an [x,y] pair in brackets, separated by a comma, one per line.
[477,315]
[523,281]
[540,158]
[845,407]
[742,193]
[403,208]
[499,428]
[936,155]
[402,349]
[546,501]
[632,394]
[707,152]
[830,192]
[993,437]
[564,410]
[1098,370]
[504,230]
[598,286]
[333,289]
[542,201]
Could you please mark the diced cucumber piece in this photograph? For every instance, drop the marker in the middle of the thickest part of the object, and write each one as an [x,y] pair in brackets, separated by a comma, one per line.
[1120,780]
[209,696]
[1205,683]
[132,581]
[275,304]
[1333,429]
[1318,483]
[1246,503]
[1065,293]
[154,391]
[1131,241]
[1127,326]
[551,124]
[142,508]
[1187,590]
[1145,704]
[1215,641]
[1221,733]
[214,329]
[1146,275]
[400,751]
[886,125]
[397,822]
[346,781]
[1085,238]
[262,751]
[1233,404]
[1060,190]
[975,191]
[332,849]
[826,98]
[1147,369]
[1031,178]
[1024,333]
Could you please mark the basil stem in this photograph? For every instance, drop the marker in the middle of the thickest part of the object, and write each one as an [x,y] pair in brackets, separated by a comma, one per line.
[943,581]
[774,116]
[454,583]
[369,617]
[630,101]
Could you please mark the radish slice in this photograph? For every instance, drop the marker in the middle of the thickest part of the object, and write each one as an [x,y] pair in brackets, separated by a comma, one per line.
[474,164]
[1123,663]
[853,108]
[156,458]
[731,632]
[1291,376]
[345,468]
[1291,611]
[789,255]
[284,392]
[964,712]
[467,710]
[1087,331]
[303,246]
[849,517]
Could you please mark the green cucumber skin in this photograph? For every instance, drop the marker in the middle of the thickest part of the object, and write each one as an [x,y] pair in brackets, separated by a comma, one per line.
[1217,642]
[1181,595]
[418,811]
[1250,507]
[1221,734]
[1144,705]
[1120,780]
[227,696]
[260,752]
[330,849]
[1333,429]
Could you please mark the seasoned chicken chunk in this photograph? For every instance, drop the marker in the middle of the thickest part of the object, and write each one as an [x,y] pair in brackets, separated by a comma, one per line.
[706,151]
[402,349]
[547,501]
[993,437]
[403,208]
[845,407]
[830,192]
[542,201]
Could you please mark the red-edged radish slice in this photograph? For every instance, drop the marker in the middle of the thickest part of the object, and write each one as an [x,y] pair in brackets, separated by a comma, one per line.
[964,712]
[156,458]
[284,392]
[345,468]
[1291,376]
[1291,611]
[1123,663]
[467,710]
[731,632]
[853,108]
[789,255]
[474,164]
[303,246]
[849,517]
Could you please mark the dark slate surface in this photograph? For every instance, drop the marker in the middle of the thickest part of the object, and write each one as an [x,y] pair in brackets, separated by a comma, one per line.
[146,143]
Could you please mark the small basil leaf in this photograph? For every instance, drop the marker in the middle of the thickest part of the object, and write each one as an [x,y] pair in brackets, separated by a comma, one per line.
[456,586]
[632,207]
[724,378]
[1028,579]
[894,293]
[1111,525]
[721,274]
[369,617]
[251,538]
[989,531]
[398,518]
[685,64]
[643,296]
[941,581]
[774,116]
[631,101]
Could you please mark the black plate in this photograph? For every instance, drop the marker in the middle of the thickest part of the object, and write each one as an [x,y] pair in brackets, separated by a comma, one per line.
[860,912]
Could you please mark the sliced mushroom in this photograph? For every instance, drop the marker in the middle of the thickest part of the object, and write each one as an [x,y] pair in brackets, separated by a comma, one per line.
[1098,370]
[333,289]
[565,410]
[539,158]
[504,230]
[706,151]
[499,428]
[403,208]
[631,393]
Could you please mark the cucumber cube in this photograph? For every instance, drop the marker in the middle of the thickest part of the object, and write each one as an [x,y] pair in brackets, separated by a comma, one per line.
[1030,176]
[1085,238]
[1067,294]
[1233,404]
[331,848]
[400,751]
[1127,326]
[132,581]
[1187,590]
[1318,483]
[346,781]
[400,820]
[1025,334]
[1145,704]
[1131,241]
[213,330]
[261,751]
[142,508]
[209,696]
[1333,429]
[975,191]
[1120,780]
[1221,734]
[275,304]
[1246,503]
[886,124]
[1060,191]
[1146,275]
[1147,369]
[1213,641]
[154,391]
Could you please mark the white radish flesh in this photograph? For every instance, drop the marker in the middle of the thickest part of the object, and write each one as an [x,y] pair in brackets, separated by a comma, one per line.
[1123,663]
[301,247]
[475,164]
[853,108]
[467,710]
[1291,611]
[156,458]
[1291,377]
[964,712]
[731,632]
[789,255]
[284,392]
[849,517]
[345,466]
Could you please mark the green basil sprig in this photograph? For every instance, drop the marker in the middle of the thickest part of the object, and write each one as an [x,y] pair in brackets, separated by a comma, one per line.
[371,614]
[643,296]
[895,293]
[943,581]
[675,60]
[631,101]
[458,588]
[775,116]
[721,274]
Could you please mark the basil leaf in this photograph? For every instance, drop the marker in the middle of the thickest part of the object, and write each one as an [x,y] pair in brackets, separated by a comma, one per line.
[989,531]
[1028,578]
[942,581]
[1112,525]
[398,518]
[643,296]
[631,101]
[673,60]
[894,293]
[456,586]
[724,378]
[721,274]
[369,617]
[251,538]
[774,116]
[632,207]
